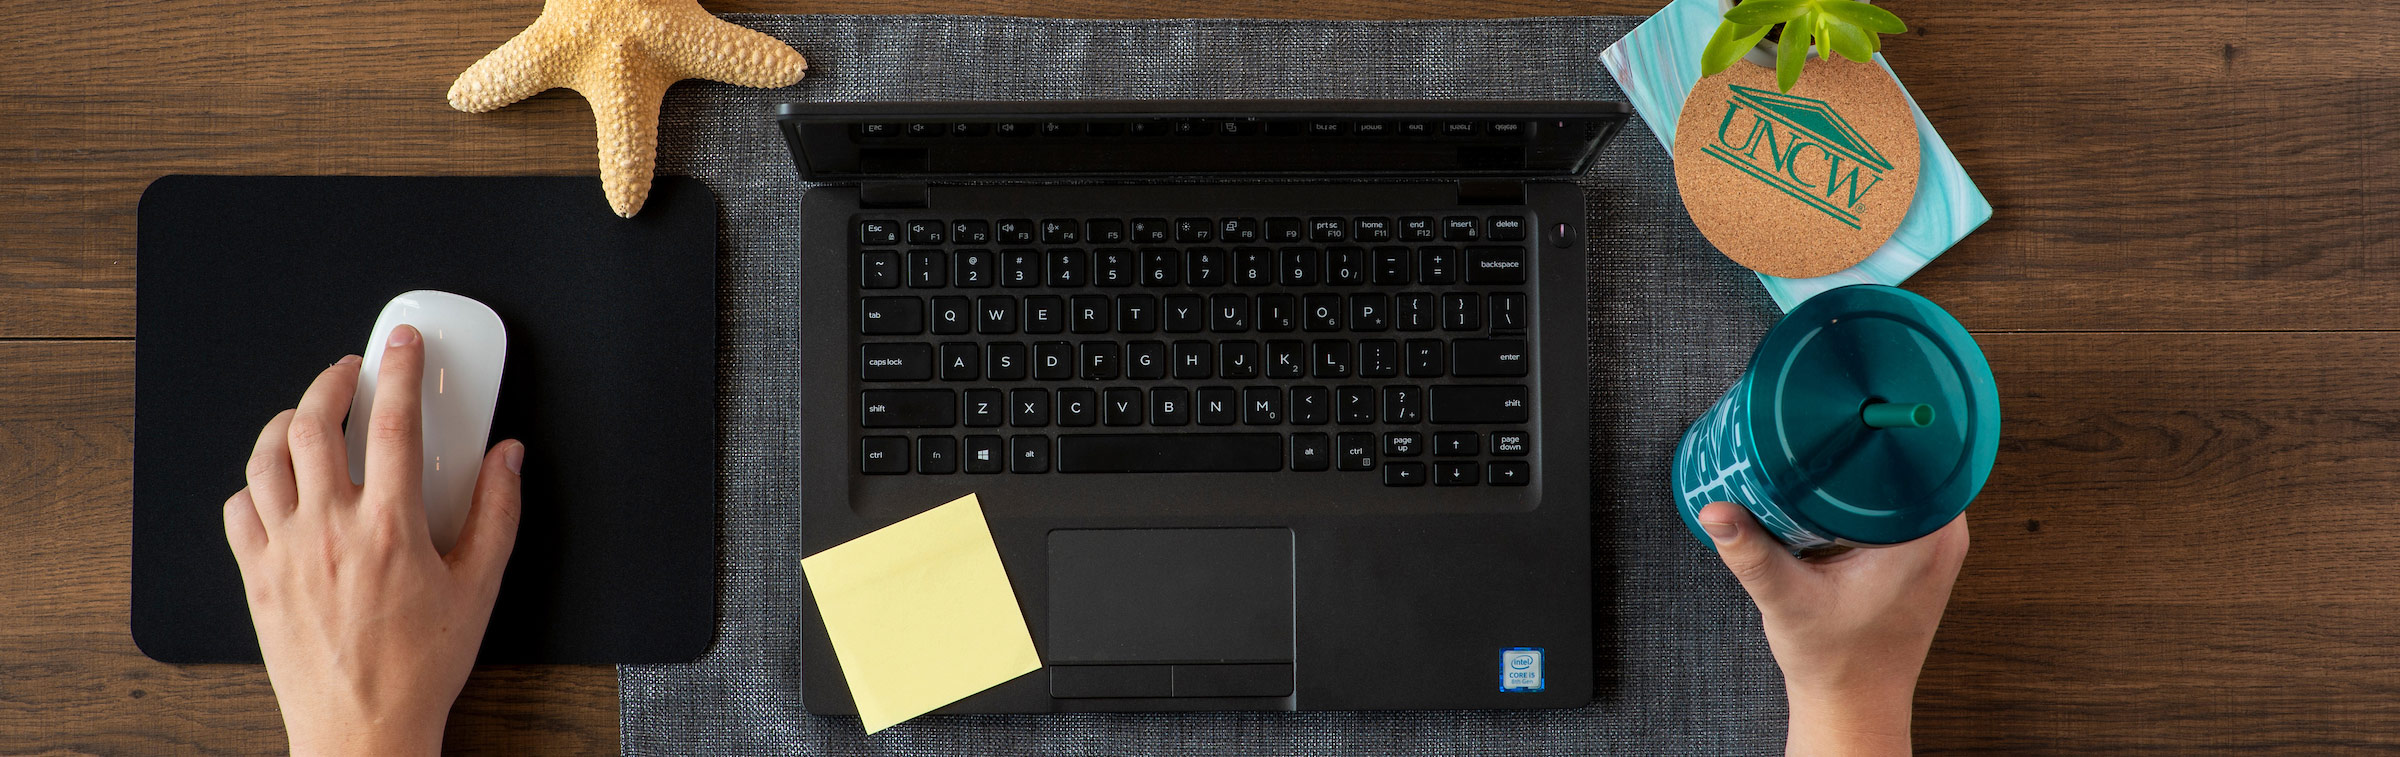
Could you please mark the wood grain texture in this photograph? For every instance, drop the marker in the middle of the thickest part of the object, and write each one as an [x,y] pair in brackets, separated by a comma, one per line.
[71,680]
[2187,546]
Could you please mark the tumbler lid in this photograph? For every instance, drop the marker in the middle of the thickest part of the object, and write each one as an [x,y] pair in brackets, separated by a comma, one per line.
[1834,390]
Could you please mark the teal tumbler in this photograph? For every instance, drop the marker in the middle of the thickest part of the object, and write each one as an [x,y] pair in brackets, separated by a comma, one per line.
[1867,418]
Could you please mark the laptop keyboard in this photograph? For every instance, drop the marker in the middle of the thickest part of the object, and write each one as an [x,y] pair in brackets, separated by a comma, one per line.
[1390,347]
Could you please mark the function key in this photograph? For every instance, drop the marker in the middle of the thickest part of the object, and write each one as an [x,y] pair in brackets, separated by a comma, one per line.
[1373,128]
[1508,228]
[1458,128]
[1238,230]
[1150,231]
[1373,230]
[1013,130]
[1327,128]
[1417,229]
[1327,230]
[1189,128]
[1283,230]
[1061,128]
[879,233]
[1195,230]
[926,130]
[1148,128]
[878,131]
[1016,231]
[1510,129]
[1416,128]
[925,232]
[1061,231]
[1239,127]
[1285,128]
[976,129]
[1107,129]
[1461,229]
[1105,231]
[971,232]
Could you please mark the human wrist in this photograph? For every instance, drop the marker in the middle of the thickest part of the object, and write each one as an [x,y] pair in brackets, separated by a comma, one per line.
[366,736]
[1861,720]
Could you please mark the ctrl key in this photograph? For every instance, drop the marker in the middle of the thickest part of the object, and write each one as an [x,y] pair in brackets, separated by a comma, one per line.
[883,454]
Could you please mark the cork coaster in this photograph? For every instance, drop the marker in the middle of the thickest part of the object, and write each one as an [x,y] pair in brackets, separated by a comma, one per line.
[1797,184]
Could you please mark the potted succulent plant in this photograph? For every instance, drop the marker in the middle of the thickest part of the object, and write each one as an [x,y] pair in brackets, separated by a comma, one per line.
[1782,34]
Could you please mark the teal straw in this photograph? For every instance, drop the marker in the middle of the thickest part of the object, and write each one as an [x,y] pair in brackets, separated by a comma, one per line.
[1897,415]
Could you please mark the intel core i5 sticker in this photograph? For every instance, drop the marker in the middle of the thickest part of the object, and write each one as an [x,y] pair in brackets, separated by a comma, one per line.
[1521,669]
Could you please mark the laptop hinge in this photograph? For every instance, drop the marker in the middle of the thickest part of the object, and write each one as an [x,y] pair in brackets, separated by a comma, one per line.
[1491,192]
[892,195]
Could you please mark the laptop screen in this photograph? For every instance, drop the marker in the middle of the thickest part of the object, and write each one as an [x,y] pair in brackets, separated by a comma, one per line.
[1152,138]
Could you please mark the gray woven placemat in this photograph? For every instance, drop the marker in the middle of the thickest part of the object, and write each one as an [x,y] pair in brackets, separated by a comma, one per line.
[1683,668]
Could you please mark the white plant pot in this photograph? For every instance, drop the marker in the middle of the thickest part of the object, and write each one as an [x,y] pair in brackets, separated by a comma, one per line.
[1764,53]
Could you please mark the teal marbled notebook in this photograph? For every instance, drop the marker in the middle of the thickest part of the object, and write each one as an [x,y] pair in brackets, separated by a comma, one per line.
[1657,64]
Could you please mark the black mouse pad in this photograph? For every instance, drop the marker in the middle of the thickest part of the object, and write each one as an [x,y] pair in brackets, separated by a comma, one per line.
[249,286]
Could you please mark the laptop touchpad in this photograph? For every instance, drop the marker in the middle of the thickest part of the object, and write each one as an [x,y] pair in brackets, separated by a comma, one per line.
[1170,595]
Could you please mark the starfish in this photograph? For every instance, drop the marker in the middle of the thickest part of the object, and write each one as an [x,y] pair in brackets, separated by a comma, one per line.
[621,55]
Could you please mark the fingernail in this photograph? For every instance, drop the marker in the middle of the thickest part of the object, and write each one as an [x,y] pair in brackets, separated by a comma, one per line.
[514,458]
[1720,531]
[402,336]
[347,360]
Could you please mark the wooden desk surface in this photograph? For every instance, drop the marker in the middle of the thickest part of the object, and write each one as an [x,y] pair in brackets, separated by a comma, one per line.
[2189,293]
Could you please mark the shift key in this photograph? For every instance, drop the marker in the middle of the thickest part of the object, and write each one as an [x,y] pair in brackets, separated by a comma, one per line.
[910,408]
[1476,404]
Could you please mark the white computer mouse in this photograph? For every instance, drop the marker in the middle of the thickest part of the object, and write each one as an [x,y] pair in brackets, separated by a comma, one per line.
[465,348]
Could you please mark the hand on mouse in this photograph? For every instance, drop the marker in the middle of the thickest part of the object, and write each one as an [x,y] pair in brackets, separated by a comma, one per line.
[367,631]
[1850,632]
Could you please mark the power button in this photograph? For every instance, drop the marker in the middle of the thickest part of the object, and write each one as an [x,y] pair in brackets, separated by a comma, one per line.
[1561,234]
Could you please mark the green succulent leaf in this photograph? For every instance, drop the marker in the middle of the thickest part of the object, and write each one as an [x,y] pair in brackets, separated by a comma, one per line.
[1730,42]
[1851,42]
[1791,52]
[1766,12]
[1865,17]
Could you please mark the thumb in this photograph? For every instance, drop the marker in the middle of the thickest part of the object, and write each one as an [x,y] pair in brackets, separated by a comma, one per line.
[490,532]
[1765,569]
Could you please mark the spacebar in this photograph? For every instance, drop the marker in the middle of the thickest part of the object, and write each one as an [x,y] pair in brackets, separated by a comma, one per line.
[1170,453]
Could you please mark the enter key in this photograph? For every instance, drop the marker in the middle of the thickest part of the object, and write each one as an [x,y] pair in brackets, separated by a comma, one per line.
[1488,357]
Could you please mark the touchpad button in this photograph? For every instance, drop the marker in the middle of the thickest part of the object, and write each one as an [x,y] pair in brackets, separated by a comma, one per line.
[1169,595]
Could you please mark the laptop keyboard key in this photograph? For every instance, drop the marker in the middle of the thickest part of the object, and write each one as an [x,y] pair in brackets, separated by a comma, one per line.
[996,314]
[1020,268]
[883,455]
[1151,231]
[1391,266]
[960,361]
[1161,268]
[1170,406]
[984,408]
[1029,453]
[1403,405]
[1437,265]
[1371,230]
[1286,359]
[1311,452]
[1355,404]
[1507,228]
[1123,408]
[1454,473]
[908,408]
[1328,230]
[926,232]
[1309,405]
[1014,231]
[1006,361]
[1171,453]
[879,233]
[1252,267]
[1495,265]
[1195,230]
[1404,474]
[1217,405]
[887,316]
[1322,312]
[982,454]
[1185,314]
[937,455]
[1104,231]
[970,232]
[1354,451]
[1511,443]
[1424,358]
[1461,229]
[1285,231]
[953,315]
[1262,406]
[1477,404]
[895,362]
[1053,361]
[879,269]
[1415,311]
[1403,444]
[1456,444]
[1029,408]
[1068,268]
[1206,266]
[1112,268]
[1061,231]
[1509,473]
[1299,266]
[1508,312]
[1488,357]
[1346,265]
[928,269]
[1277,313]
[1461,311]
[1045,315]
[1237,359]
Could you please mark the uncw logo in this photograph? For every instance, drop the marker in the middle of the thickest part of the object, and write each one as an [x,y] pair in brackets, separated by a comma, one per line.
[1799,145]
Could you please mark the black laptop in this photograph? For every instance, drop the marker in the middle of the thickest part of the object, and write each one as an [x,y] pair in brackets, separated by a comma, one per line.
[1271,405]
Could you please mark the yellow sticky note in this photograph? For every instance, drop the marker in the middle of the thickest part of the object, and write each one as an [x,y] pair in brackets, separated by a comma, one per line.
[920,613]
